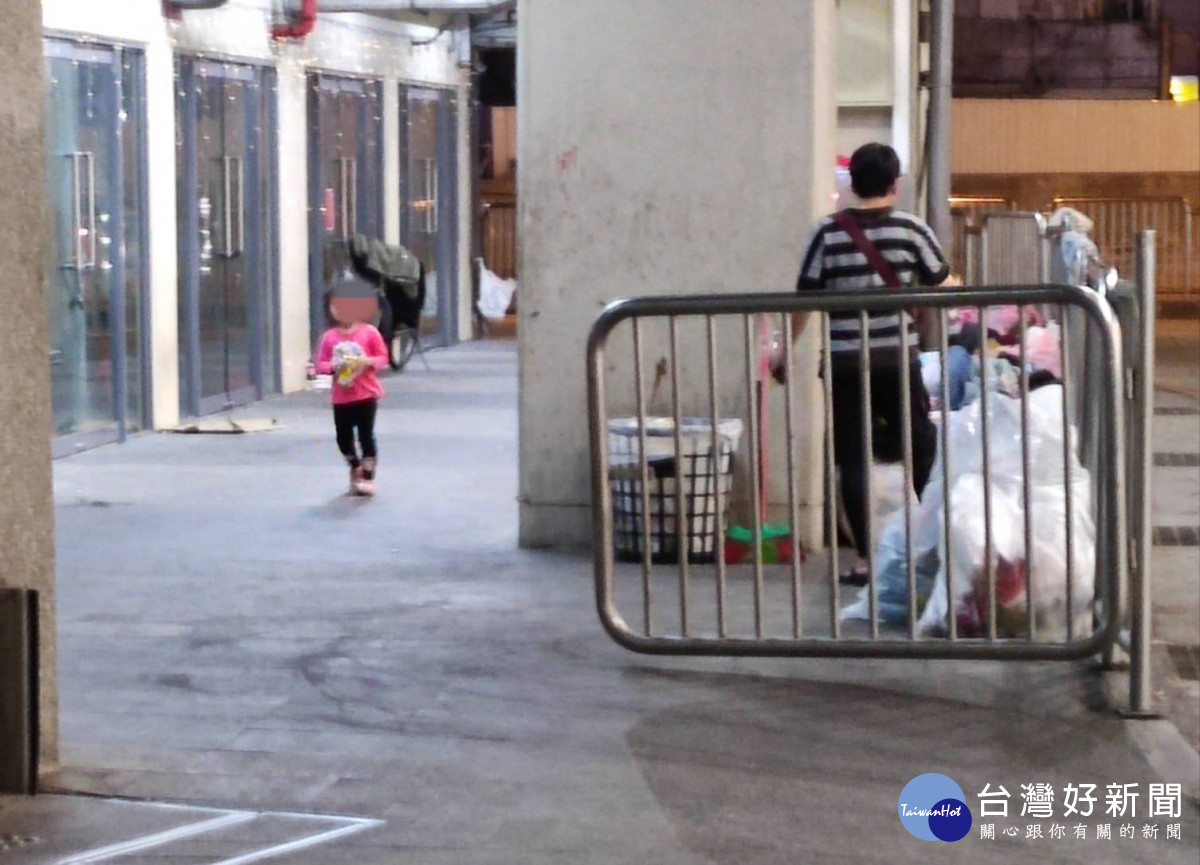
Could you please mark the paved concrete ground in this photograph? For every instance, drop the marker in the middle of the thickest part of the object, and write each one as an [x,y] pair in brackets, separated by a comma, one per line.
[1177,516]
[235,633]
[1178,355]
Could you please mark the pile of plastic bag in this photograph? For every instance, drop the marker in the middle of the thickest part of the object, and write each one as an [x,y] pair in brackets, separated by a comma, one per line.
[1009,559]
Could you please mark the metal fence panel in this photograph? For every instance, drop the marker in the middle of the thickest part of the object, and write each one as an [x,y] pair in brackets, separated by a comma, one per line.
[966,219]
[1118,221]
[1012,248]
[764,609]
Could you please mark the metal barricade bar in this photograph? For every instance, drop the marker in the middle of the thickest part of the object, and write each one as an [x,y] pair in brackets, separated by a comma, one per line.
[1135,305]
[1012,249]
[1119,220]
[967,213]
[867,308]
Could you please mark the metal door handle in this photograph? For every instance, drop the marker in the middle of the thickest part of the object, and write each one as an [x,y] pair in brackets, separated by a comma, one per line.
[235,206]
[82,255]
[241,206]
[431,186]
[227,250]
[348,166]
[75,256]
[89,159]
[352,204]
[341,202]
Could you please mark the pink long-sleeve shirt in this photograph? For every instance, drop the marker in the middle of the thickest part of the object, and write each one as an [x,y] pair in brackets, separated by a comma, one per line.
[363,341]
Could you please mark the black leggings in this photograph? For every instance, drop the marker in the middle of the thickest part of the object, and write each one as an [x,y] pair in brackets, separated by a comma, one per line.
[351,416]
[886,437]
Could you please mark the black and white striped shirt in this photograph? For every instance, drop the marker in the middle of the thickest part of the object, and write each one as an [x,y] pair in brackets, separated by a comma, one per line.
[832,261]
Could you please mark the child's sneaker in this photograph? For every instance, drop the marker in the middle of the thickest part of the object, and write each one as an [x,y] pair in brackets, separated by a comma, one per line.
[365,487]
[356,477]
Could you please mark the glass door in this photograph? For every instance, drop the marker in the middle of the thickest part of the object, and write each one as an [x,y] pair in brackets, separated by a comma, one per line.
[95,278]
[428,197]
[226,301]
[345,178]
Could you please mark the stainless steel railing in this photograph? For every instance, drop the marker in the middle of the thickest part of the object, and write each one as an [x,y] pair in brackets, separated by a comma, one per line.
[1118,221]
[765,609]
[967,213]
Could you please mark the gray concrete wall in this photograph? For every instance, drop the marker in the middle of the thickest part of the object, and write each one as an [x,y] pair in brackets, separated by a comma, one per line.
[26,512]
[673,147]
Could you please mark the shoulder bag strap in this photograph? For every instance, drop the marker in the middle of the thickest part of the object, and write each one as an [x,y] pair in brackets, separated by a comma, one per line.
[878,263]
[875,258]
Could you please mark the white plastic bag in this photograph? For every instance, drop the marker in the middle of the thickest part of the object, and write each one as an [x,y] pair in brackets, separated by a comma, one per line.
[1048,522]
[495,294]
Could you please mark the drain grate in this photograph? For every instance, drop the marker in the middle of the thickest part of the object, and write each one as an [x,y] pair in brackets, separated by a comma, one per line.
[1186,660]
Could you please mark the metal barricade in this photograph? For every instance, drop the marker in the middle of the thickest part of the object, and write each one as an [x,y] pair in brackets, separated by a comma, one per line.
[1119,220]
[794,609]
[1135,304]
[966,220]
[1013,249]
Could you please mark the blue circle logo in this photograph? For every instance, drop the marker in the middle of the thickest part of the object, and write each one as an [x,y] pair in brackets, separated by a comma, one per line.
[933,808]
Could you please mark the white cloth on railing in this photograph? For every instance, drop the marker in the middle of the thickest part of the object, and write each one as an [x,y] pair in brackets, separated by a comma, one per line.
[495,294]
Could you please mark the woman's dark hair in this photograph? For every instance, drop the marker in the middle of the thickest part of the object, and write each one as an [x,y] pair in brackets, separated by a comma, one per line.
[874,170]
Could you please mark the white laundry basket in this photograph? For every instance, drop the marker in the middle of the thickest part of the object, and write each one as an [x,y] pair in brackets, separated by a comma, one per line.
[694,468]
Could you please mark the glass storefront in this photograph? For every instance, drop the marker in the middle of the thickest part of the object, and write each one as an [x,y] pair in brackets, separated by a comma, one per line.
[429,220]
[96,270]
[227,308]
[345,125]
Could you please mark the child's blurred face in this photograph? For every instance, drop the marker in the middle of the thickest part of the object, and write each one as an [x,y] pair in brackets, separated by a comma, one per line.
[353,310]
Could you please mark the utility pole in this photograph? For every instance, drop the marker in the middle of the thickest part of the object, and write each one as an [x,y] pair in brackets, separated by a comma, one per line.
[941,79]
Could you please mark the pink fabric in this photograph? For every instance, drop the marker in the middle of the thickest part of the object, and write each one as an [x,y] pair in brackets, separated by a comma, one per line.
[363,341]
[1002,320]
[1042,349]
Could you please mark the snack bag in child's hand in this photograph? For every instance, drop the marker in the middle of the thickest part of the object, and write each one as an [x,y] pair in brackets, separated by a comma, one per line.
[347,360]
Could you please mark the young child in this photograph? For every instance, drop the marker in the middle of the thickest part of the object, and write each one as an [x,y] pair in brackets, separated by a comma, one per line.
[352,352]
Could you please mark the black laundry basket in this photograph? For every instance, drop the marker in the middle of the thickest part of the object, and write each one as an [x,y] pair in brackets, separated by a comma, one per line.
[693,468]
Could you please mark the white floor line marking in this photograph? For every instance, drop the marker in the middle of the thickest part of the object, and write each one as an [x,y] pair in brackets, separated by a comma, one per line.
[169,806]
[303,843]
[341,818]
[228,818]
[157,839]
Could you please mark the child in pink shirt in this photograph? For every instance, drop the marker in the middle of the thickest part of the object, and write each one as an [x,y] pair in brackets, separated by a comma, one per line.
[353,352]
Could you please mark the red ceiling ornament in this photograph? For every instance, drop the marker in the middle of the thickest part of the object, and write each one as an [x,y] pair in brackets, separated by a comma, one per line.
[300,25]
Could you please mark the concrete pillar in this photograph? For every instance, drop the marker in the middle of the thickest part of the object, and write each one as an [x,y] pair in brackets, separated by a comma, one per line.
[292,137]
[163,215]
[465,132]
[674,147]
[26,512]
